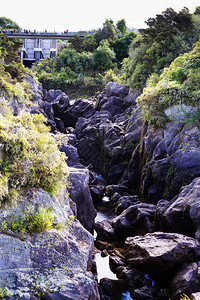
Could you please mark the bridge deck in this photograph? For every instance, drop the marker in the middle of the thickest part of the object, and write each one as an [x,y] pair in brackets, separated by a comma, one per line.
[51,36]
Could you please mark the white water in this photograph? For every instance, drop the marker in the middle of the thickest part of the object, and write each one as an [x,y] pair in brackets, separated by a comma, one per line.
[103,269]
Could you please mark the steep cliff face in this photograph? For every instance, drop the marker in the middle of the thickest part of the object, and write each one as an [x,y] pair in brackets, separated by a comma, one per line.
[34,260]
[45,251]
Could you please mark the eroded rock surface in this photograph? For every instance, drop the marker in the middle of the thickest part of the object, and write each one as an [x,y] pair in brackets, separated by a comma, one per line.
[182,214]
[186,280]
[159,251]
[80,193]
[55,260]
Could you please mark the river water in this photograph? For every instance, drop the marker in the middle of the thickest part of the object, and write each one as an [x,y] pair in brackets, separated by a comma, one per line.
[104,212]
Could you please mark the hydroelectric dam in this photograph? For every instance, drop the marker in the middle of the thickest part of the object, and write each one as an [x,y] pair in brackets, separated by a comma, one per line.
[40,45]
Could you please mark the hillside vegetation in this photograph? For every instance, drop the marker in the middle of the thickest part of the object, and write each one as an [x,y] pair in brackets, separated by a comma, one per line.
[178,84]
[113,54]
[86,65]
[12,72]
[29,156]
[167,36]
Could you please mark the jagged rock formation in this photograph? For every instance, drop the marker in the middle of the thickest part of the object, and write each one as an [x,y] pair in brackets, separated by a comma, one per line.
[45,251]
[109,137]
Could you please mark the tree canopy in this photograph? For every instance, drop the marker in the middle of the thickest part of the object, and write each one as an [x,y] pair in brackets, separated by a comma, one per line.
[7,23]
[121,26]
[168,35]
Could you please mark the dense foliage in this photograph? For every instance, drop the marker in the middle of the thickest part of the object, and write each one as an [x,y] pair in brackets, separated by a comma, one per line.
[6,23]
[12,71]
[29,154]
[167,36]
[83,64]
[113,51]
[178,84]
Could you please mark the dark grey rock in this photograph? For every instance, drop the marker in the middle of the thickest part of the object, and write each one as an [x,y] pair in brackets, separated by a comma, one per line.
[112,288]
[116,261]
[96,193]
[59,124]
[72,155]
[80,108]
[161,252]
[114,105]
[186,280]
[117,89]
[136,219]
[181,214]
[125,202]
[104,231]
[79,192]
[51,95]
[146,292]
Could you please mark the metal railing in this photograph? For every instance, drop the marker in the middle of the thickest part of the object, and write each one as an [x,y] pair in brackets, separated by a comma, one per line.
[29,33]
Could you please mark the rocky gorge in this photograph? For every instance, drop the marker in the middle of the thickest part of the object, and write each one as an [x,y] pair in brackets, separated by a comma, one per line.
[152,178]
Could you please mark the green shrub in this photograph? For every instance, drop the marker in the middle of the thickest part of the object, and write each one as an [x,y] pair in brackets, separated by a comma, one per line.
[103,57]
[179,75]
[30,156]
[178,84]
[30,220]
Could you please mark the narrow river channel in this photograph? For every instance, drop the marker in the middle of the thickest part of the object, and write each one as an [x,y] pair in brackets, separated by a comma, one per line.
[104,212]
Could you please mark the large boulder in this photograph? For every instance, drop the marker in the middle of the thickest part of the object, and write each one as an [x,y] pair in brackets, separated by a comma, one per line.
[117,89]
[182,213]
[53,106]
[104,230]
[124,202]
[161,252]
[60,104]
[58,100]
[136,219]
[79,192]
[94,121]
[51,95]
[111,288]
[43,261]
[133,278]
[80,108]
[72,155]
[114,105]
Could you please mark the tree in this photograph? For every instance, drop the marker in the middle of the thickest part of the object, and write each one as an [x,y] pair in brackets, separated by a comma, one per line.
[164,26]
[7,23]
[76,43]
[121,26]
[104,56]
[167,35]
[89,43]
[121,46]
[197,10]
[107,32]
